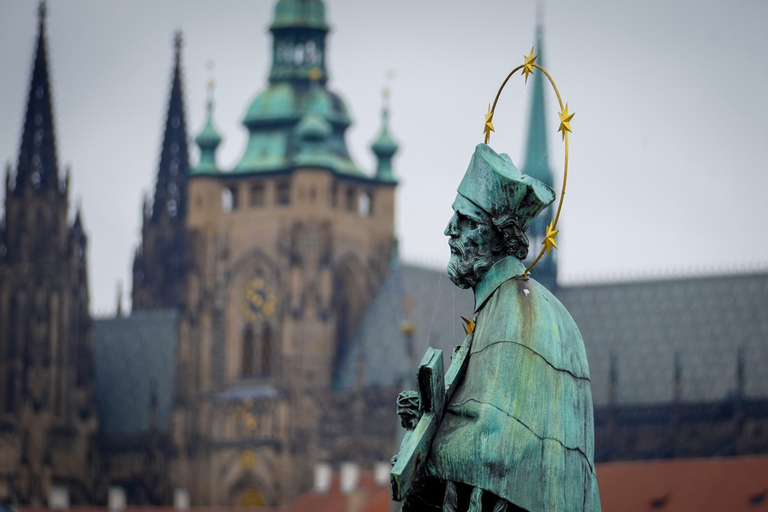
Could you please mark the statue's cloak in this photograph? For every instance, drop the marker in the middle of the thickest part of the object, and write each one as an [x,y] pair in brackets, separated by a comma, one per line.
[521,424]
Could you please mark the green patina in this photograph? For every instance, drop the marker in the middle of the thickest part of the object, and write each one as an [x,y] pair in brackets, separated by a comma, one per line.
[207,140]
[384,148]
[517,421]
[297,122]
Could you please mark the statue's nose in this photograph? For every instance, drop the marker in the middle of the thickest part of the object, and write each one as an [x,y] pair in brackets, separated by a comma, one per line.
[452,229]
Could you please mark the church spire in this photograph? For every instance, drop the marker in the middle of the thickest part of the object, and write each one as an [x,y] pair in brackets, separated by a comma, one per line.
[208,140]
[171,190]
[384,147]
[536,163]
[536,152]
[37,165]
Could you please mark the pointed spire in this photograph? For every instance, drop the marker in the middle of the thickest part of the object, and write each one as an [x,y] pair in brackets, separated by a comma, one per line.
[536,150]
[119,308]
[37,166]
[171,190]
[208,140]
[384,147]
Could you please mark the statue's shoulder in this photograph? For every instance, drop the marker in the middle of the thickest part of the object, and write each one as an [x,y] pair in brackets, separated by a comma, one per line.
[524,311]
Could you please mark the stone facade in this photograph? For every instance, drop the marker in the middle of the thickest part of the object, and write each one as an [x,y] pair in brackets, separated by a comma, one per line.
[281,257]
[47,413]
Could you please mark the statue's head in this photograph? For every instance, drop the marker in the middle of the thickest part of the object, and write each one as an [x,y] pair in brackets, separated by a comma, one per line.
[494,206]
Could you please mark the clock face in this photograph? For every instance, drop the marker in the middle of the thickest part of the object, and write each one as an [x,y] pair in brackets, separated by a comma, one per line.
[259,300]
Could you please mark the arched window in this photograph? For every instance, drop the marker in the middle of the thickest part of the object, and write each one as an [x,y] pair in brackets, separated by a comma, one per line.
[257,351]
[40,234]
[249,369]
[265,359]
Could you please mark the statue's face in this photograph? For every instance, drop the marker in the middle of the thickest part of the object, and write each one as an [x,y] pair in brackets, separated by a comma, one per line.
[470,233]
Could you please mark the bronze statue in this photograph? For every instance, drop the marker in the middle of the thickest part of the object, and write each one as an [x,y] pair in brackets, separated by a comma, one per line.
[510,425]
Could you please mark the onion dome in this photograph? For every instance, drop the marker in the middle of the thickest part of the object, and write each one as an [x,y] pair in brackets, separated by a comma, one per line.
[207,140]
[384,148]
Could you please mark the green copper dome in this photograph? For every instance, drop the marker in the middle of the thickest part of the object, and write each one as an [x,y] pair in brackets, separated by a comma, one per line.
[300,14]
[287,102]
[313,128]
[207,140]
[384,148]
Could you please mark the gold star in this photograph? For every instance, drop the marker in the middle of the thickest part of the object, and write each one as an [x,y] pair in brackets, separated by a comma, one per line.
[528,66]
[488,125]
[470,327]
[565,120]
[549,239]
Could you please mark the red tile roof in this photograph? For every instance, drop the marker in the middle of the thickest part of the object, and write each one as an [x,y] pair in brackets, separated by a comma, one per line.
[733,484]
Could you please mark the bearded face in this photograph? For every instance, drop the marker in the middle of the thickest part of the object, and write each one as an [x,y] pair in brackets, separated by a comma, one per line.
[471,243]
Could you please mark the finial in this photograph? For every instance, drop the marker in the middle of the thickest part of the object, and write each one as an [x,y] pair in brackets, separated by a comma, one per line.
[177,41]
[539,14]
[42,10]
[119,309]
[210,86]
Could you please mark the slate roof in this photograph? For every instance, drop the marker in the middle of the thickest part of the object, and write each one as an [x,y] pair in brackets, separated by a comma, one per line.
[134,357]
[701,322]
[425,297]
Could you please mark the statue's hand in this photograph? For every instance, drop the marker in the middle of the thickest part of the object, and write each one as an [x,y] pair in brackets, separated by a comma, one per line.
[409,409]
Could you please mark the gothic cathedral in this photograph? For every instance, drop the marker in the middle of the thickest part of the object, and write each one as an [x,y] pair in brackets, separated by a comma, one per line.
[47,413]
[271,264]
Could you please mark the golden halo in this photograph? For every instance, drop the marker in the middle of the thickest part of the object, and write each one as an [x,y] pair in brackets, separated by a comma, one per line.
[565,127]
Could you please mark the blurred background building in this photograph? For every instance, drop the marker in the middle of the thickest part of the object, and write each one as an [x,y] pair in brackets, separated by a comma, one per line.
[273,323]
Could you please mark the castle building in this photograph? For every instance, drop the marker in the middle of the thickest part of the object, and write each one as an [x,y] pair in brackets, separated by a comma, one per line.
[47,414]
[269,266]
[273,324]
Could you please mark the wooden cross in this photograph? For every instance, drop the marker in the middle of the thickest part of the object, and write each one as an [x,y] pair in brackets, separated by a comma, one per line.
[435,389]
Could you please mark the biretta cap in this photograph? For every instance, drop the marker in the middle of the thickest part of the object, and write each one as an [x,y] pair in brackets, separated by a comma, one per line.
[495,185]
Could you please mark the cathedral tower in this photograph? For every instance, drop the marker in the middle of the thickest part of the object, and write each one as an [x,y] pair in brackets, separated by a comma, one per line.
[537,165]
[159,267]
[287,250]
[47,417]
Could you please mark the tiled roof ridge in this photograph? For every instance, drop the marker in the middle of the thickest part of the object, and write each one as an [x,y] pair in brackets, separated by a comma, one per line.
[677,273]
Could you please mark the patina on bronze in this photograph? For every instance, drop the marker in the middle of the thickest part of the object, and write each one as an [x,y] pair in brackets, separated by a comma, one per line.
[514,429]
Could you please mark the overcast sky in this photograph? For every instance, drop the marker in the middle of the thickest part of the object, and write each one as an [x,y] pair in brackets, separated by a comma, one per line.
[667,171]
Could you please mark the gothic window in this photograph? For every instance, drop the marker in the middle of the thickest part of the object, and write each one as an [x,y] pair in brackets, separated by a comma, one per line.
[265,366]
[13,330]
[10,391]
[249,369]
[257,351]
[40,233]
[284,193]
[349,305]
[351,200]
[298,55]
[365,205]
[313,55]
[257,195]
[334,195]
[229,199]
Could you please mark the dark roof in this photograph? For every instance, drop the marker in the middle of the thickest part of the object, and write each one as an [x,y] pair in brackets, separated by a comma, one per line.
[703,322]
[425,297]
[134,359]
[648,328]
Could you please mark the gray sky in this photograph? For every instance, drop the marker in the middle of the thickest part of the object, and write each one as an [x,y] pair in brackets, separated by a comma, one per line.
[666,176]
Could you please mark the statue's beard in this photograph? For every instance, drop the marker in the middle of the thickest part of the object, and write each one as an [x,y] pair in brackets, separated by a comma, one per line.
[467,266]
